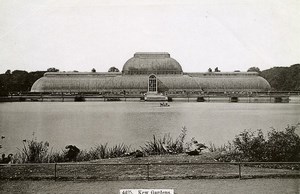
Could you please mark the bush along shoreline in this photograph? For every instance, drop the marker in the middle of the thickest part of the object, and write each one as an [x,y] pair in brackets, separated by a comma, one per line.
[248,146]
[255,146]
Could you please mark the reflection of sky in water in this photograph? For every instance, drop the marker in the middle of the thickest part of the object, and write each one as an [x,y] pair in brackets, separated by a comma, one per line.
[91,123]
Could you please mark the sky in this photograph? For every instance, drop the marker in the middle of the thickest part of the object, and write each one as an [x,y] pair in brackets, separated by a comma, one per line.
[200,34]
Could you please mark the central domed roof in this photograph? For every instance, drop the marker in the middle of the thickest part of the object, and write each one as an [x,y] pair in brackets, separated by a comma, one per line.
[148,63]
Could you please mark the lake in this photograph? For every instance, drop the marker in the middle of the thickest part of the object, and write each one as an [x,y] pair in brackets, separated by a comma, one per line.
[86,124]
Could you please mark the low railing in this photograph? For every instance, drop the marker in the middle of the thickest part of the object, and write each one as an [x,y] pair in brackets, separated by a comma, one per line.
[147,171]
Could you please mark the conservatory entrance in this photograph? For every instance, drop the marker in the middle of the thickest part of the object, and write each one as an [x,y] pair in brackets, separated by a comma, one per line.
[152,84]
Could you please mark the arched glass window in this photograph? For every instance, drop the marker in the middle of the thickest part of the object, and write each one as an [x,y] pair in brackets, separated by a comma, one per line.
[152,84]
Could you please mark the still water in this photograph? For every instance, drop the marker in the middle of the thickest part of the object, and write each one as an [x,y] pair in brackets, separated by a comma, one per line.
[86,124]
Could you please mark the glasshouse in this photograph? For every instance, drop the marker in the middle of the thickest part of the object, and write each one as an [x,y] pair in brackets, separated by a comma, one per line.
[150,73]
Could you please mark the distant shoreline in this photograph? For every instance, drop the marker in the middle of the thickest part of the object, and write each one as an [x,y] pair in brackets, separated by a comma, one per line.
[231,98]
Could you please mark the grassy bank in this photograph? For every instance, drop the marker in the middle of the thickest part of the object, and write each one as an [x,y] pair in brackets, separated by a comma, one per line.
[153,167]
[248,146]
[34,151]
[158,159]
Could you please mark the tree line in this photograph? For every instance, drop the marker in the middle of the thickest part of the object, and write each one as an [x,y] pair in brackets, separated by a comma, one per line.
[18,81]
[280,78]
[283,78]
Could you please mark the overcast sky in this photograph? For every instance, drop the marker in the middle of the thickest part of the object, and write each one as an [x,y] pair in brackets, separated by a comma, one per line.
[85,34]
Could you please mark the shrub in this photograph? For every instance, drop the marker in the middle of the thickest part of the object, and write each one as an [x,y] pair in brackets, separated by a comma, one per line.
[102,151]
[278,146]
[223,148]
[251,145]
[118,151]
[283,145]
[34,152]
[72,153]
[166,144]
[99,151]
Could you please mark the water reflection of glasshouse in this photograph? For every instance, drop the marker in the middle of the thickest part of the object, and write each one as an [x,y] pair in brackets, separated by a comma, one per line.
[150,72]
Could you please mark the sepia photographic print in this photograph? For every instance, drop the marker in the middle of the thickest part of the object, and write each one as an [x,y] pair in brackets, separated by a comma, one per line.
[150,96]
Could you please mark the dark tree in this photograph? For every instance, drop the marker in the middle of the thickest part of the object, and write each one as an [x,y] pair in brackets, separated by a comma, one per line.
[52,69]
[19,81]
[254,69]
[217,69]
[209,70]
[113,69]
[93,70]
[8,72]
